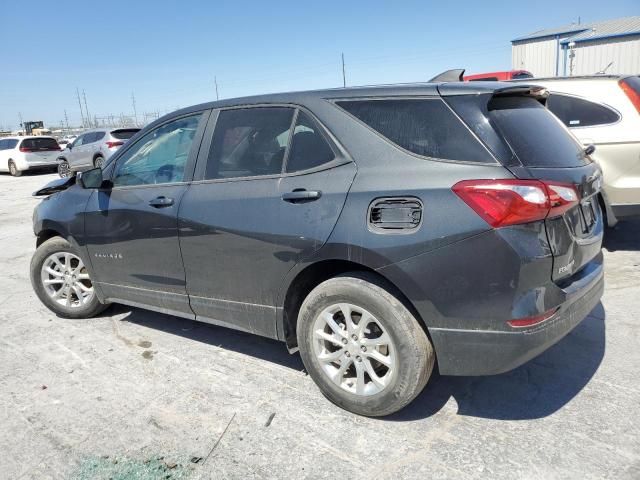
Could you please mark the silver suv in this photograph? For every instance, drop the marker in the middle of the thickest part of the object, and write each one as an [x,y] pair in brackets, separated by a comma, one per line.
[92,148]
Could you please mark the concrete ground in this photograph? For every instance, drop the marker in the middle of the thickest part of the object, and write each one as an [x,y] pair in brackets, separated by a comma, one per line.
[141,395]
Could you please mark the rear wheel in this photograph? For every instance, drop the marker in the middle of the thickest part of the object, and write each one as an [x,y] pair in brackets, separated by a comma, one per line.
[98,162]
[61,280]
[13,169]
[64,170]
[366,352]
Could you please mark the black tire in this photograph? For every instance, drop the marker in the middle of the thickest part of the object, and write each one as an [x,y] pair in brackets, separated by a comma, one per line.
[63,169]
[13,169]
[415,356]
[98,162]
[49,247]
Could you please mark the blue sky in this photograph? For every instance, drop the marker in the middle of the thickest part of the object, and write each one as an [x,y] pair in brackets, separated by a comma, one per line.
[167,53]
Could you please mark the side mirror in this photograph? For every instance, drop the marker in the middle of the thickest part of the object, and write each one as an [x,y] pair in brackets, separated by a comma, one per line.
[91,178]
[69,145]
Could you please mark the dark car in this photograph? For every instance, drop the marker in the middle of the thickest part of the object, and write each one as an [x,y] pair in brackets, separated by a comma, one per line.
[375,229]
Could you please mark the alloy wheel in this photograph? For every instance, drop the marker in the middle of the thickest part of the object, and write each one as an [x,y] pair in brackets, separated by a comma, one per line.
[66,280]
[353,349]
[64,170]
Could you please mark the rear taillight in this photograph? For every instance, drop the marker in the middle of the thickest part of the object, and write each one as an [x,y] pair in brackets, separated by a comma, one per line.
[511,202]
[531,321]
[114,144]
[26,150]
[631,93]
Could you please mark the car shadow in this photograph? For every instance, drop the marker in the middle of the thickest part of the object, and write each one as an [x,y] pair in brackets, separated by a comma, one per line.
[534,390]
[246,343]
[624,236]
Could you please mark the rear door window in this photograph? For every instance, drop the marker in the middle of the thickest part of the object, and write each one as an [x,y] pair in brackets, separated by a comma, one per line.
[249,142]
[40,144]
[98,136]
[577,112]
[536,137]
[124,134]
[425,127]
[309,149]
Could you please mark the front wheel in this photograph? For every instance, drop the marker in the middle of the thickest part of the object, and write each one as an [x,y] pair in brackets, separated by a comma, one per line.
[61,280]
[13,169]
[364,349]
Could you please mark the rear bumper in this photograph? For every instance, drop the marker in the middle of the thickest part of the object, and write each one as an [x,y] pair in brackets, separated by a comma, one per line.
[482,352]
[625,210]
[35,164]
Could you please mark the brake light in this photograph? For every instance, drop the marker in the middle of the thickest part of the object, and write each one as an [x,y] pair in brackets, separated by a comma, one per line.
[511,202]
[26,149]
[531,321]
[114,144]
[631,93]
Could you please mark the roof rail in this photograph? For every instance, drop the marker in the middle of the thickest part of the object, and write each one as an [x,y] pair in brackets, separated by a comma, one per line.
[454,75]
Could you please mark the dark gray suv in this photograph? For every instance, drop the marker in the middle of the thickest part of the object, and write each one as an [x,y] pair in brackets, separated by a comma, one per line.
[377,230]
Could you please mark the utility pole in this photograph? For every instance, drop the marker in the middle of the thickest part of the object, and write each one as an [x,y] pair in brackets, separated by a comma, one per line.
[135,112]
[20,117]
[215,80]
[344,77]
[66,119]
[86,109]
[80,104]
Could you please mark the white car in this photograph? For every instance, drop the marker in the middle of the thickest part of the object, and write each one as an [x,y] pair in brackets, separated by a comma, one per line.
[604,110]
[18,154]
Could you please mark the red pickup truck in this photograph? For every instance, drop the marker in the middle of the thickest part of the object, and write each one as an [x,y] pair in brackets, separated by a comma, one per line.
[492,76]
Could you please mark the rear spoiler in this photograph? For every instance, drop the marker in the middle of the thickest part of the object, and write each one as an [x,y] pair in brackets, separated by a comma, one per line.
[455,75]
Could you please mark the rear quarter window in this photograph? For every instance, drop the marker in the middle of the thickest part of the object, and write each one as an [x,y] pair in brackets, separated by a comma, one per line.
[536,137]
[578,112]
[425,127]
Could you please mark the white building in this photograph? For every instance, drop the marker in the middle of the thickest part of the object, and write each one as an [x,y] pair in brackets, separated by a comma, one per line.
[612,46]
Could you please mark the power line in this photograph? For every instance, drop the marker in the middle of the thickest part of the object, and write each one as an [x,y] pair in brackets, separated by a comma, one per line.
[135,112]
[86,109]
[80,105]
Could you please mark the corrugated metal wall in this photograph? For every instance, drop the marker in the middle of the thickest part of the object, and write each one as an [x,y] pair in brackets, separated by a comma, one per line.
[591,57]
[538,56]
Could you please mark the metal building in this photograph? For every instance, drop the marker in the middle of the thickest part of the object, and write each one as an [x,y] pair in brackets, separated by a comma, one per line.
[611,46]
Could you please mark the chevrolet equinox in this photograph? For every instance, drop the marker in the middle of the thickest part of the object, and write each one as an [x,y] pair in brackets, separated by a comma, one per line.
[377,230]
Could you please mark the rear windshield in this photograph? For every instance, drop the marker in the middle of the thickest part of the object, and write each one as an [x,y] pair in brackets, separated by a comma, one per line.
[425,127]
[536,137]
[40,144]
[124,134]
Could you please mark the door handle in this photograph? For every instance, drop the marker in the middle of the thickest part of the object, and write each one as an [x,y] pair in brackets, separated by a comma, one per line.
[300,195]
[161,202]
